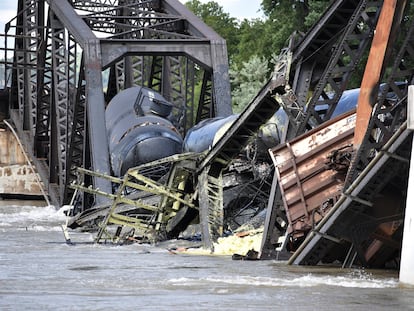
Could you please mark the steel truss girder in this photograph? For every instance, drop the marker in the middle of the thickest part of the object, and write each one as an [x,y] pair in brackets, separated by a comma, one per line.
[25,60]
[152,211]
[63,106]
[380,161]
[210,207]
[77,146]
[389,111]
[320,61]
[343,62]
[328,70]
[42,134]
[150,36]
[205,110]
[60,103]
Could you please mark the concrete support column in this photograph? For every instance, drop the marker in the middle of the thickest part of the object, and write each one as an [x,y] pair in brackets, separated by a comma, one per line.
[407,252]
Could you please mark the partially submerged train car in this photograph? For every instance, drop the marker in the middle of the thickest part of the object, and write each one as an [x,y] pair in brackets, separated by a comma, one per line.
[311,170]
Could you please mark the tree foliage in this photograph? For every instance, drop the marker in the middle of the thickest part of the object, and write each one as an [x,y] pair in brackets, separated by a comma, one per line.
[251,44]
[214,16]
[261,37]
[247,81]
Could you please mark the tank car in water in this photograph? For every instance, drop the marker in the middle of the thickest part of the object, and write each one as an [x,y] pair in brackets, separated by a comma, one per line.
[139,129]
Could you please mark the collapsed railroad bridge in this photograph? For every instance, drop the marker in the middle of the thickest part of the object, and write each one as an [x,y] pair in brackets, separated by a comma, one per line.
[325,167]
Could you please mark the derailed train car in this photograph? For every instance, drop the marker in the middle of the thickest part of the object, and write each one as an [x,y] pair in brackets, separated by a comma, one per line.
[139,129]
[248,177]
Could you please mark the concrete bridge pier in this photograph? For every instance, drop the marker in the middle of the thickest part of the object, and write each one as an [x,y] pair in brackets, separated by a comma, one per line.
[407,252]
[18,178]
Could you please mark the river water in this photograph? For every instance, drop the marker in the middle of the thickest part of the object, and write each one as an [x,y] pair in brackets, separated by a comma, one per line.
[39,271]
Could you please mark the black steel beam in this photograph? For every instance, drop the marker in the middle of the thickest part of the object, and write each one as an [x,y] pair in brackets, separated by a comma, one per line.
[248,123]
[197,50]
[194,25]
[72,21]
[129,37]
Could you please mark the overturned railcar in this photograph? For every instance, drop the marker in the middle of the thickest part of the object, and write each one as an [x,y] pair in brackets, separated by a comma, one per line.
[139,129]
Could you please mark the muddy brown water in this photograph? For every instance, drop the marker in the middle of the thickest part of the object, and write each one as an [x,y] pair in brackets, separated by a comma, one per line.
[39,271]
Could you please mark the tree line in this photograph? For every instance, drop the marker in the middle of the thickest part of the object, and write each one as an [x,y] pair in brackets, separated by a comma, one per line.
[253,44]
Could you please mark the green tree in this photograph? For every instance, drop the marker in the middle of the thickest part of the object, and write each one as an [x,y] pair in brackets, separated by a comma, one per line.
[214,16]
[251,43]
[247,81]
[283,18]
[316,8]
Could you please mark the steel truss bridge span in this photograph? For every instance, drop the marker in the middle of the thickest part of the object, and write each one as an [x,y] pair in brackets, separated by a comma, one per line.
[71,57]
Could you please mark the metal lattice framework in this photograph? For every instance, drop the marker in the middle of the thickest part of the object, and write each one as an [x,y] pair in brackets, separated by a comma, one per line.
[379,169]
[71,57]
[321,65]
[321,62]
[390,108]
[324,61]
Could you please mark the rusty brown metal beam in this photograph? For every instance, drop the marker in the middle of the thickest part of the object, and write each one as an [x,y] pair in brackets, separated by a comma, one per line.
[386,29]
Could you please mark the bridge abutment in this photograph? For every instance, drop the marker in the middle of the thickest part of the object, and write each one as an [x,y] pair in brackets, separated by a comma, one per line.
[17,177]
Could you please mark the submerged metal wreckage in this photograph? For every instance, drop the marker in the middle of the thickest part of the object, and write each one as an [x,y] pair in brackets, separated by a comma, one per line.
[320,171]
[340,174]
[158,188]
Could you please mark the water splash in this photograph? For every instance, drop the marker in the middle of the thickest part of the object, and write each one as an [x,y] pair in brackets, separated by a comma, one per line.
[24,217]
[308,280]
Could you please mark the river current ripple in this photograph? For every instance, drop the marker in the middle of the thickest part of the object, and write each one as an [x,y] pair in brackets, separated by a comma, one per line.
[39,271]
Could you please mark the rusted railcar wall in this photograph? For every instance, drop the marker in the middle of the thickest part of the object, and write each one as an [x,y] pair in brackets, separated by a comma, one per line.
[16,175]
[311,170]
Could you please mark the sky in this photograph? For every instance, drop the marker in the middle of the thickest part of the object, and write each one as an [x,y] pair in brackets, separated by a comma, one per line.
[8,10]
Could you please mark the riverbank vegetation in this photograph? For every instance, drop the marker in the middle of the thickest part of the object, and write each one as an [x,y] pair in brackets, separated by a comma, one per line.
[253,44]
